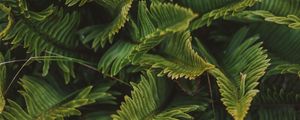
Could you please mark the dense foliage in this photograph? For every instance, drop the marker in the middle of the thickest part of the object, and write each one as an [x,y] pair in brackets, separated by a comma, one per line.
[149,59]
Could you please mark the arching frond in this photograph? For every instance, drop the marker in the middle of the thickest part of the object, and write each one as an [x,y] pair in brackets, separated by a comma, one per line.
[76,2]
[20,9]
[230,9]
[101,34]
[244,64]
[46,101]
[178,59]
[146,99]
[2,83]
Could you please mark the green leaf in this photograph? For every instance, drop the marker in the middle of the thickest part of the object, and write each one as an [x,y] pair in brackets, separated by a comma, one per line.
[44,101]
[115,58]
[101,34]
[178,59]
[7,11]
[284,52]
[166,19]
[146,99]
[291,21]
[243,67]
[2,82]
[224,11]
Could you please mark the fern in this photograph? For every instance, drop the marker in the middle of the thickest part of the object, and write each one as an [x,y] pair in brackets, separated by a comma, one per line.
[243,65]
[290,61]
[277,100]
[291,21]
[49,99]
[45,101]
[168,18]
[7,11]
[149,59]
[101,34]
[146,99]
[233,8]
[179,60]
[149,35]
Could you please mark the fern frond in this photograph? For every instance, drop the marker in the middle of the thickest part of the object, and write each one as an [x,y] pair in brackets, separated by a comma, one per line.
[146,99]
[167,19]
[277,100]
[243,67]
[45,101]
[2,83]
[279,7]
[286,41]
[115,58]
[179,59]
[205,6]
[230,9]
[7,11]
[20,8]
[55,34]
[101,34]
[74,2]
[279,66]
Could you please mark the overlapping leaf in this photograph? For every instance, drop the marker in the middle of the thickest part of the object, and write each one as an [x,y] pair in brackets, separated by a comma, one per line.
[146,99]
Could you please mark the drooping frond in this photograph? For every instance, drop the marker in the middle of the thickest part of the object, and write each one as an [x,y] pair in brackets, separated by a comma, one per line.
[230,9]
[46,101]
[167,19]
[2,82]
[244,63]
[178,58]
[101,34]
[146,99]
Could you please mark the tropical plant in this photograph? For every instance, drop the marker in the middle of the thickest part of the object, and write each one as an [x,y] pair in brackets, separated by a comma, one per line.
[149,59]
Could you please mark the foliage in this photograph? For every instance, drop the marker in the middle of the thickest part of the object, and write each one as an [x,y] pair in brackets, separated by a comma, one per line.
[149,59]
